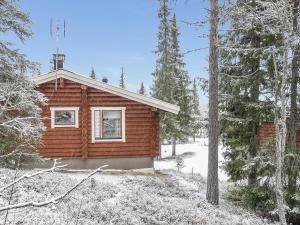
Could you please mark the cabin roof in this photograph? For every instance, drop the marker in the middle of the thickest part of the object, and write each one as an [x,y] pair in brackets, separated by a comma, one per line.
[108,88]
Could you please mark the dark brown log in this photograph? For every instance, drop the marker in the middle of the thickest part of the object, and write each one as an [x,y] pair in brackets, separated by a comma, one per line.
[142,125]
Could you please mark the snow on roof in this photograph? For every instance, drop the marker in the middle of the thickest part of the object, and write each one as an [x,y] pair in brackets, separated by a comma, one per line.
[108,88]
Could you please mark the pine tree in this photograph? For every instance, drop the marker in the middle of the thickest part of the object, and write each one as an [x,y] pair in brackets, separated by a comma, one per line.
[171,81]
[142,90]
[21,124]
[196,115]
[212,194]
[182,92]
[122,79]
[164,81]
[162,75]
[93,74]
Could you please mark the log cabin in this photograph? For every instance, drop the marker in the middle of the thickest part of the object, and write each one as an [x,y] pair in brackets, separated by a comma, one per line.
[266,133]
[90,123]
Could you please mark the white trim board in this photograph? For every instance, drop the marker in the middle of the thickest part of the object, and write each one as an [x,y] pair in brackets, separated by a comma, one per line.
[93,109]
[53,109]
[108,88]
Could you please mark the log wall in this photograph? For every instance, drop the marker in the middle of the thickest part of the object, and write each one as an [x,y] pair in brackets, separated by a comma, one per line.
[141,124]
[267,133]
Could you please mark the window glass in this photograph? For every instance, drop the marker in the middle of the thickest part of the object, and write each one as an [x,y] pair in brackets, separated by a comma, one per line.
[64,117]
[97,124]
[111,124]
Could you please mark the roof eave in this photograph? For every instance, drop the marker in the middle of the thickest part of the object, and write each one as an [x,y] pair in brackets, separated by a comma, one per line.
[165,106]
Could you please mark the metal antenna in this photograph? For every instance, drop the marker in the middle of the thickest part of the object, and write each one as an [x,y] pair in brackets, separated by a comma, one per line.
[57,31]
[64,28]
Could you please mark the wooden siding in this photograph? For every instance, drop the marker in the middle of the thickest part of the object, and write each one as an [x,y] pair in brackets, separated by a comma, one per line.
[267,133]
[141,124]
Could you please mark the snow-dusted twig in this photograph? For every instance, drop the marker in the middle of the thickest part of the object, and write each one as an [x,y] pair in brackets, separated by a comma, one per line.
[195,50]
[241,76]
[53,200]
[79,211]
[26,176]
[19,150]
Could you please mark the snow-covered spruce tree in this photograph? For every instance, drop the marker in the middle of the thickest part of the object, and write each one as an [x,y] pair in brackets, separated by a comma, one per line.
[93,74]
[182,93]
[244,77]
[142,90]
[274,18]
[245,80]
[122,79]
[164,80]
[20,121]
[196,115]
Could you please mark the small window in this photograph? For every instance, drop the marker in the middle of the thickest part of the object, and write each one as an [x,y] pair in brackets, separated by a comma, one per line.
[64,117]
[108,124]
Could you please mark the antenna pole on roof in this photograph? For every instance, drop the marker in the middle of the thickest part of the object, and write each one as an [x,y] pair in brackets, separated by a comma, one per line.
[57,55]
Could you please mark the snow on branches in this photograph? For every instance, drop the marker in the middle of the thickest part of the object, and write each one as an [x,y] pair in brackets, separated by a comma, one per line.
[21,123]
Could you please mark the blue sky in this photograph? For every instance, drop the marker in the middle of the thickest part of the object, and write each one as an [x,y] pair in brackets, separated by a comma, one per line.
[110,34]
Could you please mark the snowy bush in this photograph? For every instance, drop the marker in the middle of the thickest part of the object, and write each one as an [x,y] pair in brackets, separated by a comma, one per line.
[171,198]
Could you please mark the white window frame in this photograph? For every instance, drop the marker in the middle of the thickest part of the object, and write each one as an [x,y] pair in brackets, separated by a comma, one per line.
[122,109]
[53,109]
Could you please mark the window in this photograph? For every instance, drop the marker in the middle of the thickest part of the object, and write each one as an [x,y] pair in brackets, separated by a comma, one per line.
[64,117]
[108,124]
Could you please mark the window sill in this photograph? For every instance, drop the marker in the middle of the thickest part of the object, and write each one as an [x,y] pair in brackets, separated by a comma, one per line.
[108,140]
[65,126]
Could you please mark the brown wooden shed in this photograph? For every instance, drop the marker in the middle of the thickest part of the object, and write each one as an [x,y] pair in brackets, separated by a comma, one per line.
[266,133]
[90,123]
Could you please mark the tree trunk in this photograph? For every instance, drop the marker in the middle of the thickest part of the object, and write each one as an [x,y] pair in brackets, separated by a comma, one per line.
[293,122]
[212,194]
[280,128]
[173,147]
[194,137]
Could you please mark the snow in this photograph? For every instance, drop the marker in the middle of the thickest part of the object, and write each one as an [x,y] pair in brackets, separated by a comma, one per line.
[168,197]
[194,154]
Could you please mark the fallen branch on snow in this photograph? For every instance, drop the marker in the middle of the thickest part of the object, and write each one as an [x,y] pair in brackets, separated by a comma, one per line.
[53,200]
[26,176]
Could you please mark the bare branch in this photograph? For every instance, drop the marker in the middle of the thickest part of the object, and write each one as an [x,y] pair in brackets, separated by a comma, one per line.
[53,200]
[194,50]
[241,76]
[26,176]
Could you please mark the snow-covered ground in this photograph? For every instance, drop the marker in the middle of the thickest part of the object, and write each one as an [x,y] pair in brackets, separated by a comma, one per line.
[161,199]
[194,154]
[166,197]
